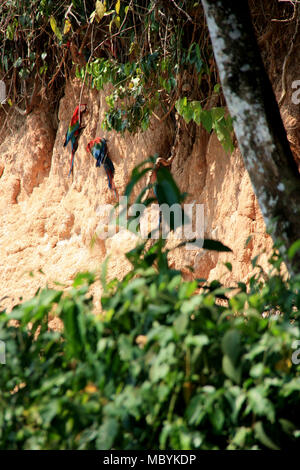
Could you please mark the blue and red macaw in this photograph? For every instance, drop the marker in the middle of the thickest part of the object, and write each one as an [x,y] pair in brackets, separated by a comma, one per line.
[74,131]
[98,149]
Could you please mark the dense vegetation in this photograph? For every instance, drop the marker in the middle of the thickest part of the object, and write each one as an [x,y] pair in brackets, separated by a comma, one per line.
[156,55]
[170,364]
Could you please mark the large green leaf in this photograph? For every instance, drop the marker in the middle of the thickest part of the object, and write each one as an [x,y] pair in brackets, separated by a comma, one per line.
[231,345]
[55,28]
[234,372]
[262,436]
[107,433]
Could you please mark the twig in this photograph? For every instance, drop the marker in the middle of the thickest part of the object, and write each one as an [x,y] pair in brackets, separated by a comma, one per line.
[287,57]
[182,11]
[68,10]
[58,69]
[288,19]
[149,38]
[85,73]
[167,114]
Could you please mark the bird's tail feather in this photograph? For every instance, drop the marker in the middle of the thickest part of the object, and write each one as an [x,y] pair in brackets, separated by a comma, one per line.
[111,183]
[115,190]
[109,176]
[71,163]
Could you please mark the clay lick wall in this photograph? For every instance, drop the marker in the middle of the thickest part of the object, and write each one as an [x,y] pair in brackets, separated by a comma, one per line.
[48,220]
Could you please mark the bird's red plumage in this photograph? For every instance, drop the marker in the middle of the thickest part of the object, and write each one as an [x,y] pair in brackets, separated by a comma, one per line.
[91,144]
[75,116]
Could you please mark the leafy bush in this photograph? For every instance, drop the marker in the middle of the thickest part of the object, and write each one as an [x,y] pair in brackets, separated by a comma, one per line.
[168,366]
[211,119]
[154,54]
[130,82]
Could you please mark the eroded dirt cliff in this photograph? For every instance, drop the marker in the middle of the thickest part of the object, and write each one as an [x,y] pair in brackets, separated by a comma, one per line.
[48,220]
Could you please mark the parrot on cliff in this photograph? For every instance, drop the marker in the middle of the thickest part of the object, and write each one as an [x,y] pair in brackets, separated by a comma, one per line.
[74,131]
[98,149]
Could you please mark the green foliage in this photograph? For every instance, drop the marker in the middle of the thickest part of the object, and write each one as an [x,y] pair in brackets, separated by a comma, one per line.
[139,87]
[33,42]
[129,84]
[165,367]
[146,66]
[145,51]
[166,192]
[211,119]
[25,42]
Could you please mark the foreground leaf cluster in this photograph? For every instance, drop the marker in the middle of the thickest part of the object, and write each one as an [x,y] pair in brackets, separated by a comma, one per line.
[166,367]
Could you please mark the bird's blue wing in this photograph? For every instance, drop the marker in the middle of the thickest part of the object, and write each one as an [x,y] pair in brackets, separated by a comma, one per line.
[96,154]
[71,133]
[109,165]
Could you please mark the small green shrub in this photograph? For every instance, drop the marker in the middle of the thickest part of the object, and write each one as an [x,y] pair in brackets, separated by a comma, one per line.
[166,367]
[211,119]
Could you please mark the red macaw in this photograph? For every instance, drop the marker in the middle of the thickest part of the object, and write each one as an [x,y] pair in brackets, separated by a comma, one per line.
[74,131]
[98,149]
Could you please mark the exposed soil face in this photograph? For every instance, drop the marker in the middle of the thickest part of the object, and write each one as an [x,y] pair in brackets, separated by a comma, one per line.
[48,220]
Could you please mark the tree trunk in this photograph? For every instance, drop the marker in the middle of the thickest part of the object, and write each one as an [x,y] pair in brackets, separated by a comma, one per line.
[256,119]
